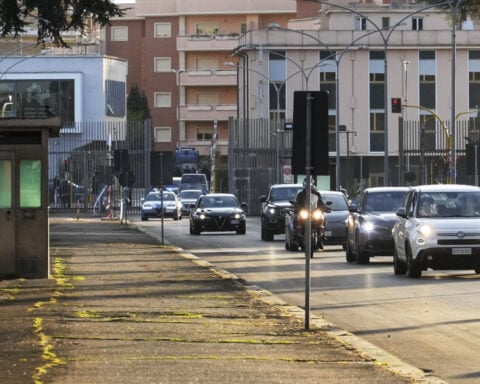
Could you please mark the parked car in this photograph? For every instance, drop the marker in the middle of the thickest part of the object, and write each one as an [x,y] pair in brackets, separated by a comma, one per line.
[189,197]
[370,223]
[335,220]
[438,227]
[272,213]
[216,212]
[156,202]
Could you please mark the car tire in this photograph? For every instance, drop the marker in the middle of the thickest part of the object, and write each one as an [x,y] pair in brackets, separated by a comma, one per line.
[349,254]
[362,257]
[268,235]
[144,218]
[194,230]
[399,267]
[413,268]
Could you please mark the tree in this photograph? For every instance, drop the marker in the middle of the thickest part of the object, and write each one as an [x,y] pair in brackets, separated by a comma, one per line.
[53,17]
[137,105]
[472,7]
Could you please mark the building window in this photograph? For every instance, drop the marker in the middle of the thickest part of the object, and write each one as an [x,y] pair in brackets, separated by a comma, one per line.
[163,134]
[162,30]
[204,134]
[427,70]
[115,98]
[119,34]
[417,23]
[207,29]
[277,70]
[474,79]
[207,63]
[385,22]
[377,131]
[162,64]
[361,23]
[162,99]
[243,27]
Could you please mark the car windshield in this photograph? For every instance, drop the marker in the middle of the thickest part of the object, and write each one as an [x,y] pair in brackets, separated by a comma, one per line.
[190,194]
[284,194]
[158,197]
[338,202]
[385,201]
[449,204]
[218,202]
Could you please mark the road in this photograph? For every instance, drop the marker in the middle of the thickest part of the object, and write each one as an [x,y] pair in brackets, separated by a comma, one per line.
[432,323]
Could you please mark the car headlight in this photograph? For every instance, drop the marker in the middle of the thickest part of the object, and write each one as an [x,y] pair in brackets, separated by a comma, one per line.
[147,206]
[425,230]
[271,210]
[368,226]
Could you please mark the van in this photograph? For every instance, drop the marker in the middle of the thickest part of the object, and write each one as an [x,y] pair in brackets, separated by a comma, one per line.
[193,181]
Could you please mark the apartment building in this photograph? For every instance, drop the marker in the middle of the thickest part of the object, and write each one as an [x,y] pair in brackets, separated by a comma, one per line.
[176,52]
[365,54]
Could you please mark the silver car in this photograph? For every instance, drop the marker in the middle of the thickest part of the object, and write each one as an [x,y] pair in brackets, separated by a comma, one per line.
[189,197]
[438,228]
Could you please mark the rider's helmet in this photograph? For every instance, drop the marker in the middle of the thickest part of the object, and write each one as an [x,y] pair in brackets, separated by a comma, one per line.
[312,182]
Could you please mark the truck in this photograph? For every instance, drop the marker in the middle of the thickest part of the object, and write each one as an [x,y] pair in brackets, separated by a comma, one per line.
[186,160]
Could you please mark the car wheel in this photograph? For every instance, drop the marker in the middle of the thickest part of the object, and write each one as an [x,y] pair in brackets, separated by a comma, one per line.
[144,218]
[362,257]
[399,267]
[350,255]
[175,216]
[242,229]
[194,230]
[268,235]
[413,268]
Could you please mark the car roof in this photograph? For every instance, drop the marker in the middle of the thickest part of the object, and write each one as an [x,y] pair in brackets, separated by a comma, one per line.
[191,190]
[219,194]
[287,186]
[446,187]
[331,192]
[386,189]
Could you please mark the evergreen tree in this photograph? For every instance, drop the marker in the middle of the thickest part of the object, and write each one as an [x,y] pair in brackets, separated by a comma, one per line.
[137,105]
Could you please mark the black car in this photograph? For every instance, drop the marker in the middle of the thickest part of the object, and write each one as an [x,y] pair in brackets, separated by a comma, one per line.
[272,214]
[370,223]
[218,212]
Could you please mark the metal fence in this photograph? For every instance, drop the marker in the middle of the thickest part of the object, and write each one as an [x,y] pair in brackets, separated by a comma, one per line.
[94,165]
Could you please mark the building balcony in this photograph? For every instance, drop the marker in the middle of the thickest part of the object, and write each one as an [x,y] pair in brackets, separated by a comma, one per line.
[218,42]
[195,112]
[208,78]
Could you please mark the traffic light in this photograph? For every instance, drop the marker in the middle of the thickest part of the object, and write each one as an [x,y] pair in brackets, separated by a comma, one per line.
[396,105]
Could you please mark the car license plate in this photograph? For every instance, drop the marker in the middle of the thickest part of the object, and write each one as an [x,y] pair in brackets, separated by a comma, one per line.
[461,251]
[328,233]
[235,221]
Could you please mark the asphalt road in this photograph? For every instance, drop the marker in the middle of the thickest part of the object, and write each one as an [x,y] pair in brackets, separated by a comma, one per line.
[432,323]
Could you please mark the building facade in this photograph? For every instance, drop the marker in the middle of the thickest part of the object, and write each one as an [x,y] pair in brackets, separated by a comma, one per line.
[365,56]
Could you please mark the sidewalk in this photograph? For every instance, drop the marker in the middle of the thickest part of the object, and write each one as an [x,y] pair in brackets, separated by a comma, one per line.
[121,308]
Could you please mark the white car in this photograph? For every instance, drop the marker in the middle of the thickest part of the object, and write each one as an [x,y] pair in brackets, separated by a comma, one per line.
[438,228]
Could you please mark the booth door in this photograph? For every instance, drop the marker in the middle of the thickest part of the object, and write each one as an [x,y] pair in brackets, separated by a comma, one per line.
[7,213]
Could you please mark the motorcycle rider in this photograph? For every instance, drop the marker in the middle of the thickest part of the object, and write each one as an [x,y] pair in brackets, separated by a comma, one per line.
[315,202]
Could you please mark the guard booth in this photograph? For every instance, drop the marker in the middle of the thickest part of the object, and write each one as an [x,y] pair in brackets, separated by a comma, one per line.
[24,234]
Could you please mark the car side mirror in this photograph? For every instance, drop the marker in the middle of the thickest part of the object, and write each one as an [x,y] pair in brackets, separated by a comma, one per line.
[401,212]
[353,208]
[262,198]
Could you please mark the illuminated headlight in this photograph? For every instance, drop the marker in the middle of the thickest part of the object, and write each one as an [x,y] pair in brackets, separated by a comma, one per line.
[303,214]
[201,216]
[271,210]
[238,216]
[425,230]
[171,205]
[147,206]
[317,215]
[368,226]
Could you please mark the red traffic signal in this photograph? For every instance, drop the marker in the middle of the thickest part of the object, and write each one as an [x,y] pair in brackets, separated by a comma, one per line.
[396,105]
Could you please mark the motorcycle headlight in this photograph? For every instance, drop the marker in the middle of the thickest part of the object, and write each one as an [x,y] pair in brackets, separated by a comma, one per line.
[317,215]
[303,214]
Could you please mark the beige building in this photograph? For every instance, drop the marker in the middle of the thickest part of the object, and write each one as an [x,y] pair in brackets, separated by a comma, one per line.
[404,50]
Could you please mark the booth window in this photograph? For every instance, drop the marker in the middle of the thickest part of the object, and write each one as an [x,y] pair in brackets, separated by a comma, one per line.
[30,183]
[5,184]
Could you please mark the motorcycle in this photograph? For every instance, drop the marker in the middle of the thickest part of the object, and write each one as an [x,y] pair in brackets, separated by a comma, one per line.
[295,226]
